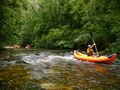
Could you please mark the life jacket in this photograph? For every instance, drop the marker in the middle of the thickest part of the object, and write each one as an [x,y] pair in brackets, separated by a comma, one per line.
[90,51]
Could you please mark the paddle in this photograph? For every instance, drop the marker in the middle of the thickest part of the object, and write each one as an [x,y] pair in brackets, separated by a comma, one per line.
[95,43]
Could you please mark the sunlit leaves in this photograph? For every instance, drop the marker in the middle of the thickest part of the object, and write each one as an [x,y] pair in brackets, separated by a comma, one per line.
[60,23]
[12,19]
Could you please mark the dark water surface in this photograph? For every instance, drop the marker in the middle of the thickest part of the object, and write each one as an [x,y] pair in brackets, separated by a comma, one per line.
[30,69]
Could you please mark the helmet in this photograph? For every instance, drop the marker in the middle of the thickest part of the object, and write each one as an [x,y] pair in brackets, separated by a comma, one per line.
[89,45]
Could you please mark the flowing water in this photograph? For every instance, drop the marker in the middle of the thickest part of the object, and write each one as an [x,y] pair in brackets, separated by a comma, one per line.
[30,69]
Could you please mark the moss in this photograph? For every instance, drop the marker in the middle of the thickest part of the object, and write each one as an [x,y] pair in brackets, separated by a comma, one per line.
[14,76]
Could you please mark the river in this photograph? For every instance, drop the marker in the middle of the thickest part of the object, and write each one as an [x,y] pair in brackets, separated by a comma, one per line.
[33,69]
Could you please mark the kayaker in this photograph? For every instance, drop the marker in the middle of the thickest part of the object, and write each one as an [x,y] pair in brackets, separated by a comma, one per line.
[90,51]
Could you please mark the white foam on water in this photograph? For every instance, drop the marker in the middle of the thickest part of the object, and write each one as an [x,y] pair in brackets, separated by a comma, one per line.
[41,63]
[37,59]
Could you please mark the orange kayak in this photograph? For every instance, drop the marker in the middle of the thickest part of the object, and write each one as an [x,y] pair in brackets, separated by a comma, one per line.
[102,59]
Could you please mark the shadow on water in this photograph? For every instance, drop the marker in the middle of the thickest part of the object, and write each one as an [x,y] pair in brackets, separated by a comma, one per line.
[54,70]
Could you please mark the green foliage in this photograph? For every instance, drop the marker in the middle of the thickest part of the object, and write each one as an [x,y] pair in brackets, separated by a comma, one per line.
[56,38]
[114,47]
[12,19]
[61,23]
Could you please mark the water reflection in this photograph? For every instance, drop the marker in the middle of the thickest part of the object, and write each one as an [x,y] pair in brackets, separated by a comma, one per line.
[56,70]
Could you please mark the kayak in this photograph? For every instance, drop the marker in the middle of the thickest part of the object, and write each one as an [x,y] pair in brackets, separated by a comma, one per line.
[96,59]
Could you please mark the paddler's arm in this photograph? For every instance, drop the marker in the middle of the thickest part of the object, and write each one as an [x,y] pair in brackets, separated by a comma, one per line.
[92,45]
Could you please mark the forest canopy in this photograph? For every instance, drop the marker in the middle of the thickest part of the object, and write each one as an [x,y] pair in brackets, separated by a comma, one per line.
[60,24]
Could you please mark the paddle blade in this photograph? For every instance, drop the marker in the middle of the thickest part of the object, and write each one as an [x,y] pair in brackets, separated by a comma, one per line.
[91,34]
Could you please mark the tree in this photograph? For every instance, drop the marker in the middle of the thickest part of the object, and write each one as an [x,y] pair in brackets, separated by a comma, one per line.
[12,19]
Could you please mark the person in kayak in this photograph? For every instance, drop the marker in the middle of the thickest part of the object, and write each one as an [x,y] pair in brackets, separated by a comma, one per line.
[90,51]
